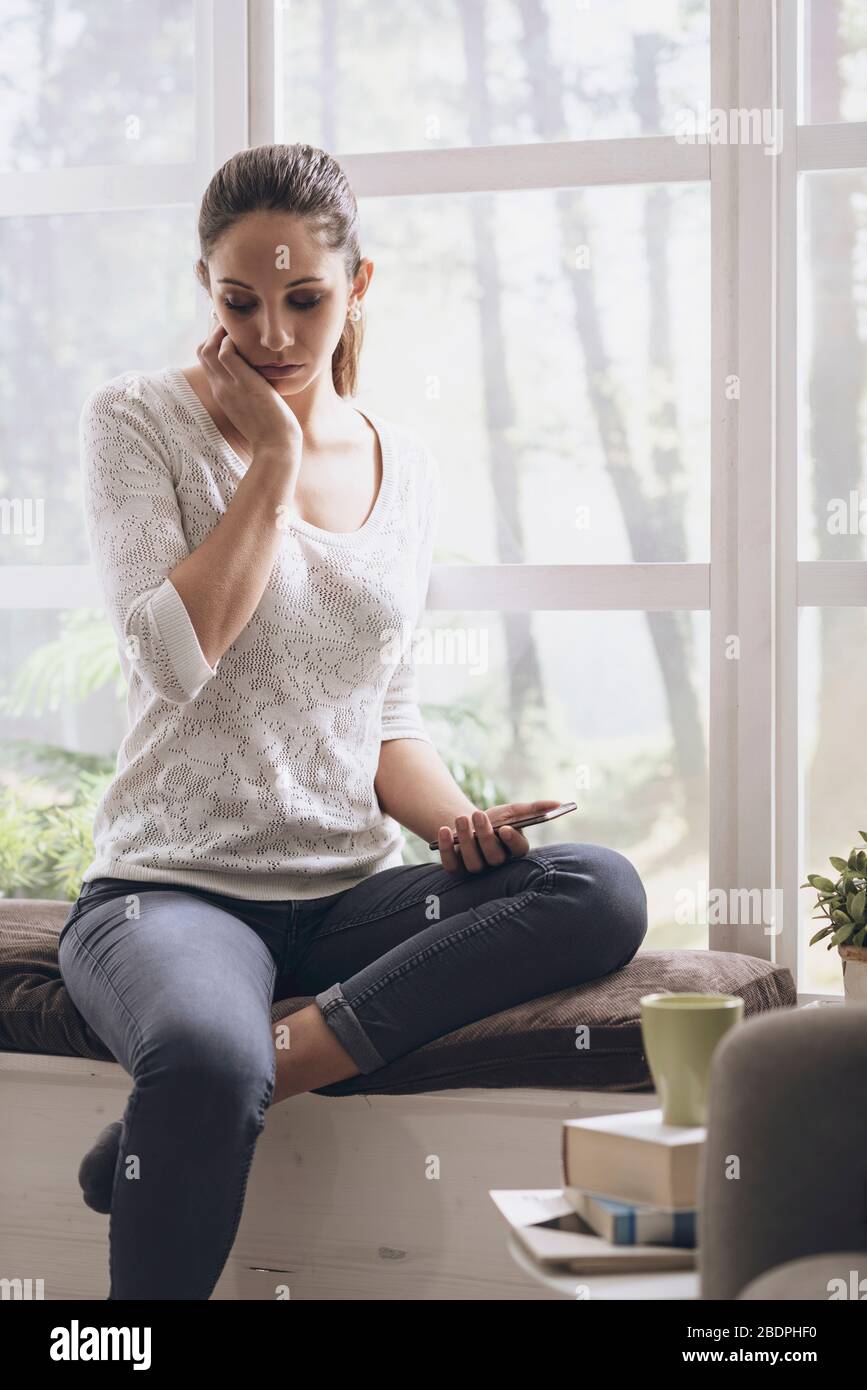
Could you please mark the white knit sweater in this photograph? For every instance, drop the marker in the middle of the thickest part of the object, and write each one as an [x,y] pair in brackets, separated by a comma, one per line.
[253,777]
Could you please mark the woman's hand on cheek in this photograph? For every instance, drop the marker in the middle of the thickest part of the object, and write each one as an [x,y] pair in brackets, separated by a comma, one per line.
[256,410]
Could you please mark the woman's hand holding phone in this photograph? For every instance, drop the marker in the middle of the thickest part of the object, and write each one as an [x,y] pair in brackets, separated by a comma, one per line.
[486,838]
[256,410]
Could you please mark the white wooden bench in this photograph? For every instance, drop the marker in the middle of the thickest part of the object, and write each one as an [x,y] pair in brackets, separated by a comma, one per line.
[376,1189]
[339,1203]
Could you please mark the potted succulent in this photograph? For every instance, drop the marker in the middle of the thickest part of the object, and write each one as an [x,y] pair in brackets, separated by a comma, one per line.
[844,905]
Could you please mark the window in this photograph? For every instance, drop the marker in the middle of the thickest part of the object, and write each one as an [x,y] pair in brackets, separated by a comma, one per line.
[823,232]
[634,337]
[111,129]
[606,307]
[541,314]
[364,77]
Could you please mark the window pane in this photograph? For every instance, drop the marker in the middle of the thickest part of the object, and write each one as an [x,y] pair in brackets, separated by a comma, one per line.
[833,765]
[832,316]
[553,348]
[833,61]
[574,706]
[85,82]
[364,75]
[69,332]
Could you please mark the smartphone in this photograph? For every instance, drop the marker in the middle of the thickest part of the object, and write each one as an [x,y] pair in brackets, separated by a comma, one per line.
[561,810]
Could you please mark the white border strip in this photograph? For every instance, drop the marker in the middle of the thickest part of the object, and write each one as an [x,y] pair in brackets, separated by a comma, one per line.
[787,948]
[555,164]
[512,589]
[49,586]
[266,77]
[651,588]
[497,588]
[754,750]
[99,188]
[832,584]
[225,65]
[838,146]
[723,694]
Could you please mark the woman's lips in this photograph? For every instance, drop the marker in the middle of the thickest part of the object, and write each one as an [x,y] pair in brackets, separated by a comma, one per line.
[279,371]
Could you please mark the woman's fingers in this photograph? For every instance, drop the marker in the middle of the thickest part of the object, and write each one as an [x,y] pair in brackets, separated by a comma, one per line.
[218,355]
[474,851]
[487,840]
[205,350]
[469,849]
[210,351]
[447,851]
[485,849]
[515,840]
[227,355]
[492,847]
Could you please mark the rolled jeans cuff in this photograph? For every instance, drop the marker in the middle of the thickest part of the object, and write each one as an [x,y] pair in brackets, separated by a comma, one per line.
[341,1018]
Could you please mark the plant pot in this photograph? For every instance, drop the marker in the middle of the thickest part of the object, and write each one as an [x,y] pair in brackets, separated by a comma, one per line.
[854,973]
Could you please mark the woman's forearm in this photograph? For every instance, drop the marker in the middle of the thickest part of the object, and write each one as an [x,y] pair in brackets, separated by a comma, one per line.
[224,578]
[414,786]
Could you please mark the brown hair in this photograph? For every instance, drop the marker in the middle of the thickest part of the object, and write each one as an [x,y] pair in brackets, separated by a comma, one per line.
[304,181]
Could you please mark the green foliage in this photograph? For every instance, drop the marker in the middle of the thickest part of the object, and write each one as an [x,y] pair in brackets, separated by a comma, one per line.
[19,827]
[843,903]
[481,789]
[46,820]
[63,672]
[45,848]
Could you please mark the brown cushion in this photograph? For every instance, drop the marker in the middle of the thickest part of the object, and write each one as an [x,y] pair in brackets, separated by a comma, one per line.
[532,1044]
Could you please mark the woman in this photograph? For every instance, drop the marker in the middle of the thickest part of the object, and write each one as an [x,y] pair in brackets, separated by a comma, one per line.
[259,541]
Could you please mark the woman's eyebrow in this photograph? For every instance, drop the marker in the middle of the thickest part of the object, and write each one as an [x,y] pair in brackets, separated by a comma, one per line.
[305,279]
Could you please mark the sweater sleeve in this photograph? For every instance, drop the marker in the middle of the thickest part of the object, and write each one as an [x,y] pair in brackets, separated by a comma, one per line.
[136,537]
[401,716]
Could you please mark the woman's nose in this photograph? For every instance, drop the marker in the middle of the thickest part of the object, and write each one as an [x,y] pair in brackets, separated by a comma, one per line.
[276,340]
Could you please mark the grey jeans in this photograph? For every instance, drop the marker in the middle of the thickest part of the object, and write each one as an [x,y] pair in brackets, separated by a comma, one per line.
[178,983]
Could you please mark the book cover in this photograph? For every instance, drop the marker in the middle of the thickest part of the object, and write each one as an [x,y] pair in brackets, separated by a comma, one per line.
[557,1237]
[633,1223]
[635,1157]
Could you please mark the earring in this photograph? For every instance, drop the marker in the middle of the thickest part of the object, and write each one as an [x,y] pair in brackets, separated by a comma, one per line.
[354,313]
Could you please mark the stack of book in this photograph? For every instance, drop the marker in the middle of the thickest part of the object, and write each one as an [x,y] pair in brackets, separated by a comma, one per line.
[629,1198]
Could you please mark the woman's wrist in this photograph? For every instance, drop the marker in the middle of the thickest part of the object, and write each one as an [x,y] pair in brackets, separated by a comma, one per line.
[277,451]
[277,463]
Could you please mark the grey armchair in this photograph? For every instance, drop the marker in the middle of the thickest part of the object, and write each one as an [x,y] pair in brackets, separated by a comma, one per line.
[788,1113]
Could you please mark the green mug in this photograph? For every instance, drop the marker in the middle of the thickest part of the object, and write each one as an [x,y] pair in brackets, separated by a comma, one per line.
[680,1033]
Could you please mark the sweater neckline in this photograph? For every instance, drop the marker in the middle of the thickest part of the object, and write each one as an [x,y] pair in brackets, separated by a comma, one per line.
[209,427]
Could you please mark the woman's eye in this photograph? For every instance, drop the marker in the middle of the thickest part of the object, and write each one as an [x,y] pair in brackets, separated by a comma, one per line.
[296,304]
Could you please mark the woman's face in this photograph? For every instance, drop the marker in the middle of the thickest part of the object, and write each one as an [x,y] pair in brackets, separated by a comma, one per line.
[281,297]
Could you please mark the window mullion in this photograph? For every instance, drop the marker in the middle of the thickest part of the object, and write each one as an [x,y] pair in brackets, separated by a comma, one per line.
[723,708]
[787,789]
[742,556]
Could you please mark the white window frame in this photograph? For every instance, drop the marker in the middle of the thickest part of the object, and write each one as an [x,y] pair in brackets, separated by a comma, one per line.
[754,584]
[798,583]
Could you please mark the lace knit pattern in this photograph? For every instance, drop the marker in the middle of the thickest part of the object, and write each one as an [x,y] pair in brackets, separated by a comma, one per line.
[253,777]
